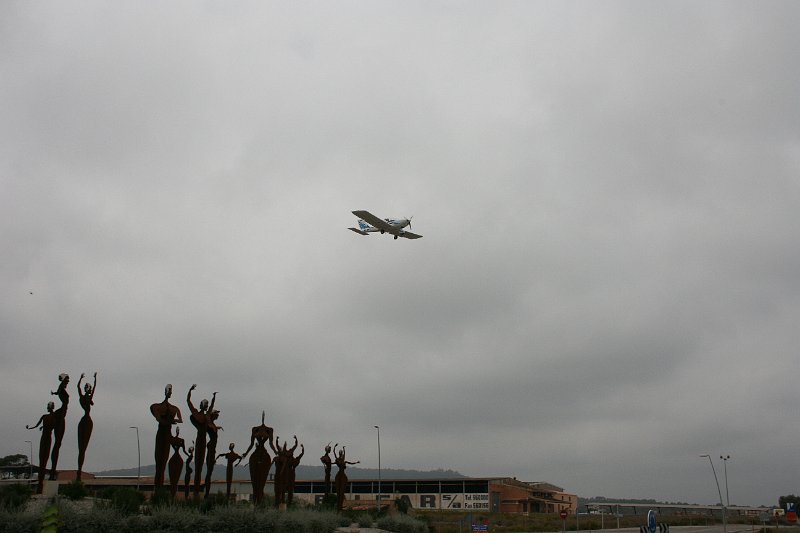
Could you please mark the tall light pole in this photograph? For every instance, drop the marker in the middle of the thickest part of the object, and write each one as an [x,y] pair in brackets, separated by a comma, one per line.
[725,463]
[30,462]
[139,454]
[379,468]
[721,501]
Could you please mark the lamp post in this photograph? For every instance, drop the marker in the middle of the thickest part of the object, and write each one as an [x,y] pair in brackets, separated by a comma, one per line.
[725,464]
[30,462]
[716,480]
[139,455]
[379,468]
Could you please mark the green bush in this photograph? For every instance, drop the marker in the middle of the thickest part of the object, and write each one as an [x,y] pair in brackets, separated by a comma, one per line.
[18,521]
[15,496]
[364,520]
[74,490]
[127,500]
[401,523]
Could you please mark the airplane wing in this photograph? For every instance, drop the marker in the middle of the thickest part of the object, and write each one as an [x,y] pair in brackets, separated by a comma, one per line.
[360,232]
[375,221]
[409,235]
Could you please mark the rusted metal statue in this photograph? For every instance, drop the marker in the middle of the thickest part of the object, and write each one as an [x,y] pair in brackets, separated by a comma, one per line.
[86,400]
[48,425]
[211,447]
[199,419]
[231,457]
[176,461]
[187,480]
[166,415]
[260,462]
[326,462]
[61,422]
[283,458]
[341,477]
[294,462]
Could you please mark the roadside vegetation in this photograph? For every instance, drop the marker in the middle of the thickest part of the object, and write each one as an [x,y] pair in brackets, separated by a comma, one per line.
[125,510]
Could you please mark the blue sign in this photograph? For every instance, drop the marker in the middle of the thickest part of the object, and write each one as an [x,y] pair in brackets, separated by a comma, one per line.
[651,521]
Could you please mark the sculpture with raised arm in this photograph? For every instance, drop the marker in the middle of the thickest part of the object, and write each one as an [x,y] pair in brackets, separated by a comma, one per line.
[341,477]
[199,419]
[260,462]
[326,462]
[48,425]
[283,459]
[294,462]
[61,422]
[231,457]
[211,447]
[176,461]
[86,400]
[166,415]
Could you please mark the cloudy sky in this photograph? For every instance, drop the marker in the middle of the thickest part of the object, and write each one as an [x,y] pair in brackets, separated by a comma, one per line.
[607,286]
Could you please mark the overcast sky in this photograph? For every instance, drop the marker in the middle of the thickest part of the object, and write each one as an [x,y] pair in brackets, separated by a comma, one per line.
[607,286]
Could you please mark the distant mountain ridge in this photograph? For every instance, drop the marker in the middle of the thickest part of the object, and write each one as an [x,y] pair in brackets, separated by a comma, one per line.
[304,472]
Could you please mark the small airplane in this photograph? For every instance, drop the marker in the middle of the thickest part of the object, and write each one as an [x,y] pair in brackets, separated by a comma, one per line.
[369,223]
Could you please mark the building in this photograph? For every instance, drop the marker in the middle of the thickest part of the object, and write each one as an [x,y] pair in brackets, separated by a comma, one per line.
[494,494]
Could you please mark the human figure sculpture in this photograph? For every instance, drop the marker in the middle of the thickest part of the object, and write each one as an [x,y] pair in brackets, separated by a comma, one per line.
[86,400]
[341,477]
[48,425]
[187,480]
[260,461]
[199,419]
[175,464]
[231,457]
[211,446]
[61,422]
[294,462]
[283,459]
[326,462]
[166,415]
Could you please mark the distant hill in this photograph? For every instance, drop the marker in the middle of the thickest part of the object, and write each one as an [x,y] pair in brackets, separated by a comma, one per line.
[306,472]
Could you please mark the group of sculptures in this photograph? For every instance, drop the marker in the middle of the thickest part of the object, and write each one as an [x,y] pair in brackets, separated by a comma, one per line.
[53,425]
[204,420]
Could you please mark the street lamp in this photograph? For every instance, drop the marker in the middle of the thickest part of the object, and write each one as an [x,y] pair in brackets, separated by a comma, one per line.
[379,468]
[724,519]
[30,462]
[725,463]
[139,454]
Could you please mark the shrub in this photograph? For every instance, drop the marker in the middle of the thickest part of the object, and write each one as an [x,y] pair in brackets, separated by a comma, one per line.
[160,497]
[364,520]
[74,490]
[401,523]
[126,500]
[15,496]
[18,521]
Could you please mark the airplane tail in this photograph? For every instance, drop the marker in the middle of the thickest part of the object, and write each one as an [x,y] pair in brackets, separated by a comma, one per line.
[363,225]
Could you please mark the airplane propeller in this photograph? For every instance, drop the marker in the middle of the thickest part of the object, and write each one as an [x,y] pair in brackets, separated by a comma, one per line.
[409,221]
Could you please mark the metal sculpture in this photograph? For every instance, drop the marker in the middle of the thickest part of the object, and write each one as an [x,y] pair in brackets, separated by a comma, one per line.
[283,459]
[48,425]
[341,477]
[211,447]
[260,462]
[294,462]
[187,480]
[61,422]
[86,400]
[176,461]
[326,462]
[166,415]
[231,457]
[199,419]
